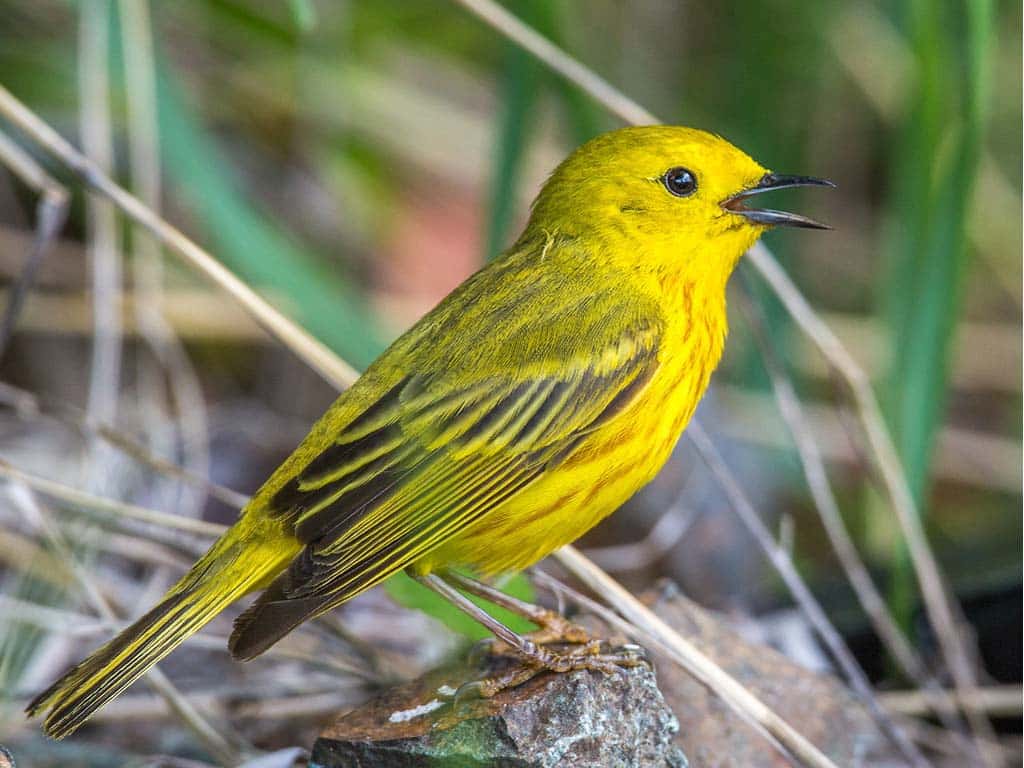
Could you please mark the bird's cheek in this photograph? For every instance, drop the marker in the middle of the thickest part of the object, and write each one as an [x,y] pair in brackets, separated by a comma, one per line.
[725,224]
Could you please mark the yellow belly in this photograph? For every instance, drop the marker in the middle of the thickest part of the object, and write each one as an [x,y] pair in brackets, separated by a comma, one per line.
[596,479]
[554,511]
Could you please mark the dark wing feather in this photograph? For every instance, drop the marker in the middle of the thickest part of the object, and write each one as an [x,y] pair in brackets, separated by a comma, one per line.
[429,457]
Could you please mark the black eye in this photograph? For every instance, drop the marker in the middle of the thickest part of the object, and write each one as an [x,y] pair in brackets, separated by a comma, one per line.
[680,182]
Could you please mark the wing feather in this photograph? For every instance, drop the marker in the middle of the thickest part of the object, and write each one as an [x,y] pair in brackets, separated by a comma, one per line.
[432,455]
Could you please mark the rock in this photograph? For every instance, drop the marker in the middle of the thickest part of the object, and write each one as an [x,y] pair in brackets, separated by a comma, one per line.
[580,719]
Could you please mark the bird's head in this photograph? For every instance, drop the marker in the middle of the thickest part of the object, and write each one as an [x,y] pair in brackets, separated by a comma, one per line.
[665,195]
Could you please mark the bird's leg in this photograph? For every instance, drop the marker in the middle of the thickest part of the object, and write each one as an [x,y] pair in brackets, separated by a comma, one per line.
[537,658]
[554,627]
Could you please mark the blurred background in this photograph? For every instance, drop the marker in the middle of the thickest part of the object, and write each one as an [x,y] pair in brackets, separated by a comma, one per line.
[354,161]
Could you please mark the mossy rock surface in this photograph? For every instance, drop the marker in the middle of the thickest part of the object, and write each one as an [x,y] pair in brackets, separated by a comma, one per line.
[580,719]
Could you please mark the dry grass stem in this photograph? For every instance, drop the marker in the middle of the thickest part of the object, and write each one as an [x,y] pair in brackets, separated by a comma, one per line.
[13,609]
[309,350]
[102,238]
[136,708]
[109,510]
[997,701]
[947,744]
[828,510]
[510,26]
[965,457]
[147,266]
[939,604]
[809,605]
[135,548]
[670,528]
[22,553]
[213,739]
[28,405]
[192,313]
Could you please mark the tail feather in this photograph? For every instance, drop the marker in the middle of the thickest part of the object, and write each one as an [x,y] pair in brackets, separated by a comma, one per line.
[269,619]
[279,610]
[212,585]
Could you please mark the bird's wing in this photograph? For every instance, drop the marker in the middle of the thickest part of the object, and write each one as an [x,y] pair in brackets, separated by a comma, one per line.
[431,455]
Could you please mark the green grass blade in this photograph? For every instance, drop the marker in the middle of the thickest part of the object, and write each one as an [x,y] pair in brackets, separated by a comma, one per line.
[930,254]
[251,244]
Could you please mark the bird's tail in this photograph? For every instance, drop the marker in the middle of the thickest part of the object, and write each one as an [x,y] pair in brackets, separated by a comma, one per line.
[224,574]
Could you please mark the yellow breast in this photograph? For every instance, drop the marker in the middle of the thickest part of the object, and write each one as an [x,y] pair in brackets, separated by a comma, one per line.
[611,464]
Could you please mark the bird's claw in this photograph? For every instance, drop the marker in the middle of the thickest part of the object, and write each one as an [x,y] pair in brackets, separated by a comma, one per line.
[586,656]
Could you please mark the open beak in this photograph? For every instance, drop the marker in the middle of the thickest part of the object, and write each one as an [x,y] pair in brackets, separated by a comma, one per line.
[768,217]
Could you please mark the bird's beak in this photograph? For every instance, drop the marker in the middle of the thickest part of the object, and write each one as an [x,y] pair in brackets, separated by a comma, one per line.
[770,182]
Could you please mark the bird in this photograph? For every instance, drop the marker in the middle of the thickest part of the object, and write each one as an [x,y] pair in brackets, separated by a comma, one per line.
[527,406]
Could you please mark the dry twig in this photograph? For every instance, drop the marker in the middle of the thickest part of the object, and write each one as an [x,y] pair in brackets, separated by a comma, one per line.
[670,528]
[109,510]
[938,603]
[998,700]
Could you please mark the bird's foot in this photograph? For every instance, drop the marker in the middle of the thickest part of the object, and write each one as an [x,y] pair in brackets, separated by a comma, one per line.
[535,659]
[555,629]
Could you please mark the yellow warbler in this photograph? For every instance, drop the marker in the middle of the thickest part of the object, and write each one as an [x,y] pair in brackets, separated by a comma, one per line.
[527,406]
